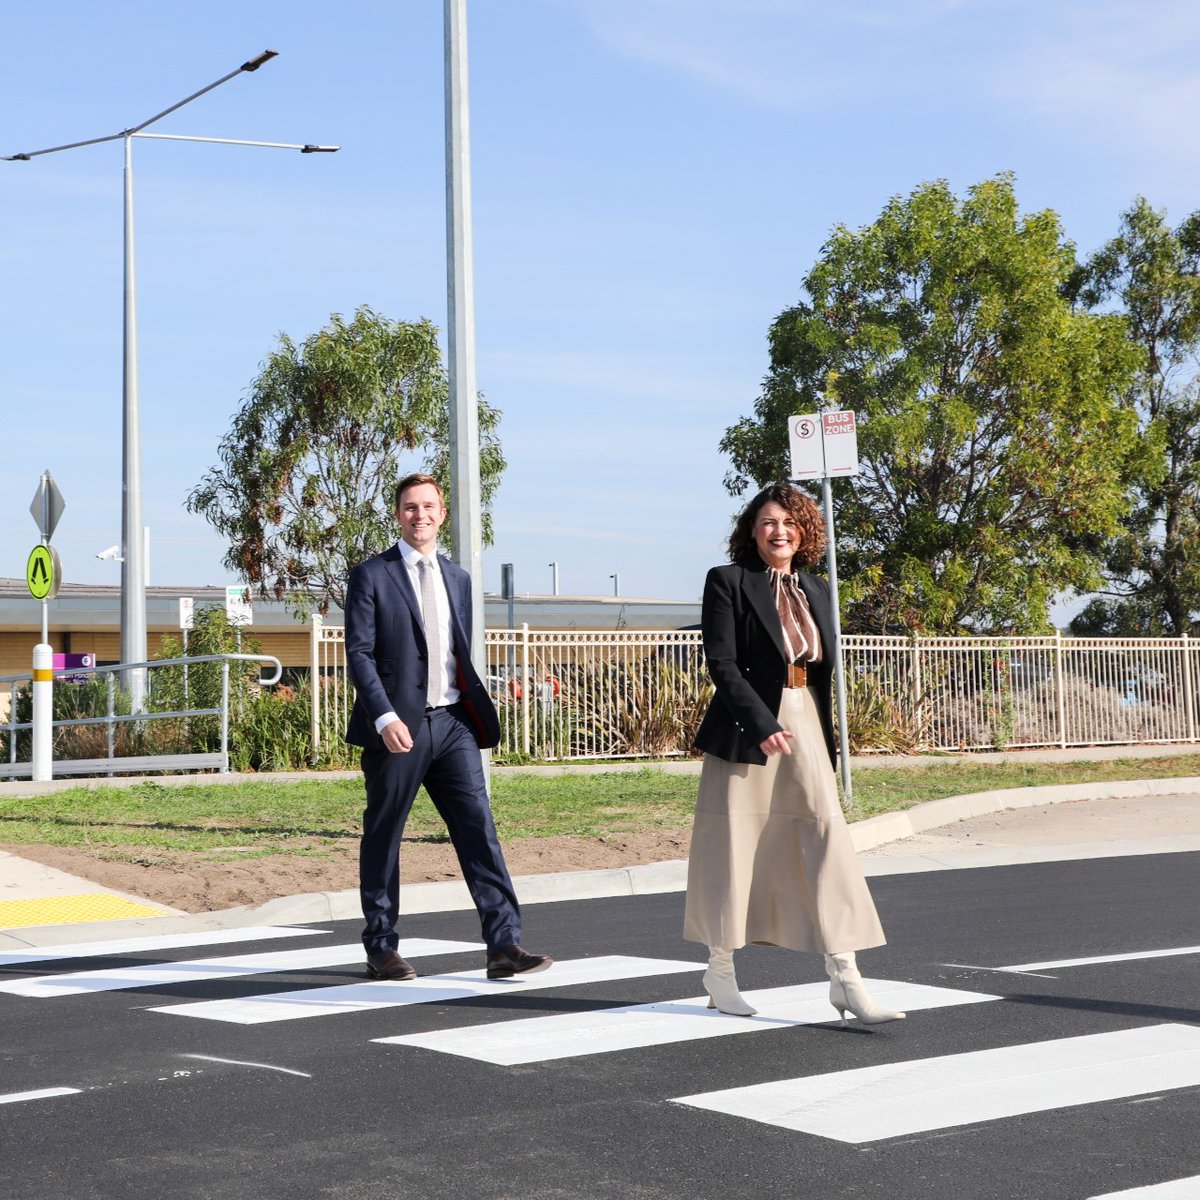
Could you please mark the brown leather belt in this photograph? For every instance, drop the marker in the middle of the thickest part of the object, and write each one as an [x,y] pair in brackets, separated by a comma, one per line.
[797,675]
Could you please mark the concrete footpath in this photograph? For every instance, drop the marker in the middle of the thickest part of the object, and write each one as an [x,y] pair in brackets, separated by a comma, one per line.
[40,906]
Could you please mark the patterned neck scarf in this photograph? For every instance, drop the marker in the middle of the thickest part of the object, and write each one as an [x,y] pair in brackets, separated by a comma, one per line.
[799,629]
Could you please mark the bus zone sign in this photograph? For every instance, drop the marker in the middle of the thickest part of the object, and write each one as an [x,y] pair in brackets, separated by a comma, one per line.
[823,444]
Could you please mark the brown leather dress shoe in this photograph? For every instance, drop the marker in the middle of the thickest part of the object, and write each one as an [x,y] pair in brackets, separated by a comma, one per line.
[387,964]
[512,960]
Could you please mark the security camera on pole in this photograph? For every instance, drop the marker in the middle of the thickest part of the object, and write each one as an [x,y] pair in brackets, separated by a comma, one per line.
[43,575]
[824,445]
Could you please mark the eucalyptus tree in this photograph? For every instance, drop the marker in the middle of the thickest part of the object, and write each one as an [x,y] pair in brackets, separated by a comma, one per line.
[992,434]
[304,487]
[1150,274]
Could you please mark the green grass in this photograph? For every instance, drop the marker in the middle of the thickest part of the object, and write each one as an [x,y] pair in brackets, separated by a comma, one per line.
[223,822]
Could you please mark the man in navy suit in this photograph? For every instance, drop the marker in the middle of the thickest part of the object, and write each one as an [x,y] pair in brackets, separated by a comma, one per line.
[421,715]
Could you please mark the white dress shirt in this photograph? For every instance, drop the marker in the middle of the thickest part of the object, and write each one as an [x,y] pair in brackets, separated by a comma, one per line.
[449,693]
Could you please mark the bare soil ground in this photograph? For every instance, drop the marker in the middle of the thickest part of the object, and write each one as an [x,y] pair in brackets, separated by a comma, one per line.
[194,884]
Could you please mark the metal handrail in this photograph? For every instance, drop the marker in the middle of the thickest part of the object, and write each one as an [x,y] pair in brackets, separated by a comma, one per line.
[112,718]
[119,668]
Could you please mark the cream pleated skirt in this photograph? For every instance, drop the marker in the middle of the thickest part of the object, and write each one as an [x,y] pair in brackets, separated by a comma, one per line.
[771,861]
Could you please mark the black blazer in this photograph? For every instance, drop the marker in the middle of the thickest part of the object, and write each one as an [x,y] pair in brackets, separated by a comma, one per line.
[386,651]
[743,643]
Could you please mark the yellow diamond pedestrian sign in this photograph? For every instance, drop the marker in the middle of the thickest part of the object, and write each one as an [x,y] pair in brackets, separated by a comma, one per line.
[43,573]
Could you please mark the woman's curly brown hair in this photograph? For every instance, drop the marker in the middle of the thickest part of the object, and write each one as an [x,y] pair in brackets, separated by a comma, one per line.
[742,547]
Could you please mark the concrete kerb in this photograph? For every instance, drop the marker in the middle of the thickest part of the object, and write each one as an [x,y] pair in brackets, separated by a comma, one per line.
[868,834]
[933,814]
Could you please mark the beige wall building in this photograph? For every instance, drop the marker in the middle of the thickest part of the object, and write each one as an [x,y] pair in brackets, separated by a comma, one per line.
[85,619]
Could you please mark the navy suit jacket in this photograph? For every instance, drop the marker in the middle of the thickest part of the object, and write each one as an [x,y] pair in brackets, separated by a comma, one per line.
[744,649]
[386,652]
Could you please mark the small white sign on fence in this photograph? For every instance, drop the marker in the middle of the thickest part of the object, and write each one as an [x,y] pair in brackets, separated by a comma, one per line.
[238,608]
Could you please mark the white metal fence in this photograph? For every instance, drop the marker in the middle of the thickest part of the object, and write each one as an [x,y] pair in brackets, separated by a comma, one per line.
[980,693]
[572,694]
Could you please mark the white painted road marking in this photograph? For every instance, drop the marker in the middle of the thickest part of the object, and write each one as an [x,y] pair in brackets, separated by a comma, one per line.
[239,1062]
[198,969]
[1025,968]
[158,941]
[1175,1189]
[895,1099]
[40,1094]
[428,989]
[567,1035]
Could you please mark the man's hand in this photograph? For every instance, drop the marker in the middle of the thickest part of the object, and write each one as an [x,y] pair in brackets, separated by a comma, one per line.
[396,737]
[777,743]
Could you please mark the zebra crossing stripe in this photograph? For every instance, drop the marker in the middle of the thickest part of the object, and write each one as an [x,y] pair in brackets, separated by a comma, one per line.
[1024,968]
[39,1094]
[1174,1189]
[892,1100]
[199,969]
[567,1035]
[428,989]
[158,941]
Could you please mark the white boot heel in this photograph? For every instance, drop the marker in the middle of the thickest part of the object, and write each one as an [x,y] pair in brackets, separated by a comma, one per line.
[847,992]
[721,985]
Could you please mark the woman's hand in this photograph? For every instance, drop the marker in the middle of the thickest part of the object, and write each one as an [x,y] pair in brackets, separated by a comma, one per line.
[777,743]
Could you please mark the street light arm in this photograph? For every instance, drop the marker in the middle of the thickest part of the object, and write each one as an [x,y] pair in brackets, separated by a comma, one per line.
[305,148]
[112,137]
[252,65]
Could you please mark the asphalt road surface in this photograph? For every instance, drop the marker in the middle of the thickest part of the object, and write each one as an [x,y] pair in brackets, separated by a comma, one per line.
[262,1064]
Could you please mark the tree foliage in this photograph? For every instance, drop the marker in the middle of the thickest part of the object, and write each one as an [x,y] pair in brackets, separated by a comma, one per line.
[304,489]
[992,436]
[173,689]
[1151,274]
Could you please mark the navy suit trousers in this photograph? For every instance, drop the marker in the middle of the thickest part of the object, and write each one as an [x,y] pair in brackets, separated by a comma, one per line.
[445,758]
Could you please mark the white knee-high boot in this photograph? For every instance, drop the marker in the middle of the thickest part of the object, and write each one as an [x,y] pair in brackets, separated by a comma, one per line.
[846,991]
[721,984]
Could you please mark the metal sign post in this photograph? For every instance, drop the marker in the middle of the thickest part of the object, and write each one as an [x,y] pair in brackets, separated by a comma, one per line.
[824,445]
[187,619]
[43,576]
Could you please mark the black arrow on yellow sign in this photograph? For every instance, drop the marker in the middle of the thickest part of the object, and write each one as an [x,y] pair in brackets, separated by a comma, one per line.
[43,573]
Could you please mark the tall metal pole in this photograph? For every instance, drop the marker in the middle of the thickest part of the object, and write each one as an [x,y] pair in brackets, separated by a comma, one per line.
[838,674]
[554,568]
[466,507]
[133,574]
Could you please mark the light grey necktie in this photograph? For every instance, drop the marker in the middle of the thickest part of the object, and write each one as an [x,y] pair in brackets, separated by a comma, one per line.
[433,632]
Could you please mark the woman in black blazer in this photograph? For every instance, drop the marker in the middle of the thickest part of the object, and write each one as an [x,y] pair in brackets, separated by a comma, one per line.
[772,862]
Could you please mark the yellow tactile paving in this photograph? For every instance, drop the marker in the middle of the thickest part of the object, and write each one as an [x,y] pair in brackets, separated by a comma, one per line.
[66,910]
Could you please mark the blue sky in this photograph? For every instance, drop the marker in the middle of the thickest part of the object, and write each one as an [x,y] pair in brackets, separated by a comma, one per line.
[652,179]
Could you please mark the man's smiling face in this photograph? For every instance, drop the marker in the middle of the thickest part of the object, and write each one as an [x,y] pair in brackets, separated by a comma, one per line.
[420,514]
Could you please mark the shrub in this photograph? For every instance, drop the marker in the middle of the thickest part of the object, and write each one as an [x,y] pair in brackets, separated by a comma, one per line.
[879,718]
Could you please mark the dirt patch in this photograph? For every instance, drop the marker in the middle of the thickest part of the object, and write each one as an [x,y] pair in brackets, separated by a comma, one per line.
[188,882]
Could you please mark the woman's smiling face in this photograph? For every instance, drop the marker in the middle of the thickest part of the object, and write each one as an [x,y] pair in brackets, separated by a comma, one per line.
[776,535]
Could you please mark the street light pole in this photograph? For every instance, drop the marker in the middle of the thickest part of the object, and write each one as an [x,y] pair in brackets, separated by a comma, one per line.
[466,505]
[133,566]
[133,646]
[554,568]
